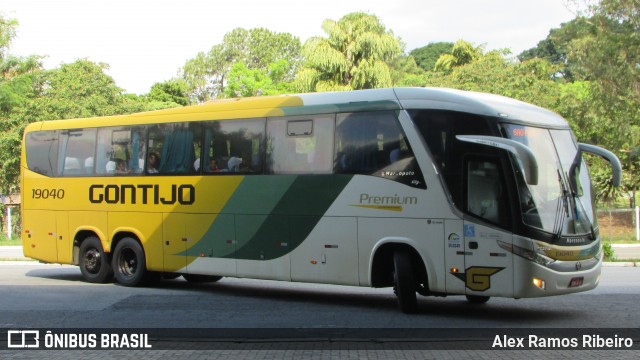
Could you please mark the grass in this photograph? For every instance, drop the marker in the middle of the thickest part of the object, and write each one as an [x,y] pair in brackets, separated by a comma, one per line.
[620,239]
[14,241]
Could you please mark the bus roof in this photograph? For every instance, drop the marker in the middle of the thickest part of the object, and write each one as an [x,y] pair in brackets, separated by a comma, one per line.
[479,103]
[328,102]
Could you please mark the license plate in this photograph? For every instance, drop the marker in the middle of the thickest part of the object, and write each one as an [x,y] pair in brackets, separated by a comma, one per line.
[575,282]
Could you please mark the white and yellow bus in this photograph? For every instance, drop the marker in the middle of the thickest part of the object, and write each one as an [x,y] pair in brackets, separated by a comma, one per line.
[430,191]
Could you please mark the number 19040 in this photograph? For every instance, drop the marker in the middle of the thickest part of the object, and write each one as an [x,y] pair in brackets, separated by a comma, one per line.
[47,193]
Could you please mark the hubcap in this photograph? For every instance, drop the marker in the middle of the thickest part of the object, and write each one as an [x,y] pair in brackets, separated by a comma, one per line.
[128,263]
[92,261]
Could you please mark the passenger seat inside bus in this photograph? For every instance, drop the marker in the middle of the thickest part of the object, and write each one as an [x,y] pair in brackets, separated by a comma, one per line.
[72,166]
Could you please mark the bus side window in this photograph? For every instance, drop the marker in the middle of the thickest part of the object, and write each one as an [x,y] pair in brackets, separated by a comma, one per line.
[373,143]
[175,144]
[76,153]
[120,151]
[232,147]
[42,152]
[300,145]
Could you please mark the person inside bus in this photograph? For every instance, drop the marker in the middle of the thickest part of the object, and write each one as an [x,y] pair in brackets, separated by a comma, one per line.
[152,167]
[213,166]
[234,164]
[121,167]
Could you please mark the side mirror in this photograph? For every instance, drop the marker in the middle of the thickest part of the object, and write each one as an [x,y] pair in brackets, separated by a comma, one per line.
[616,166]
[527,159]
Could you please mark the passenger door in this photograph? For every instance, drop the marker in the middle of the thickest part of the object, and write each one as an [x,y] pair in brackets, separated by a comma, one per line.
[488,267]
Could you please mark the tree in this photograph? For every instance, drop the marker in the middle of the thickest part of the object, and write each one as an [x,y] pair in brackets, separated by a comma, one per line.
[207,75]
[427,56]
[462,53]
[610,53]
[17,83]
[555,49]
[529,81]
[8,28]
[76,90]
[243,81]
[171,91]
[16,80]
[355,55]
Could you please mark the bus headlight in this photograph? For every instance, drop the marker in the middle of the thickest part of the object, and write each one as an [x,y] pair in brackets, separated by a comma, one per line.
[526,253]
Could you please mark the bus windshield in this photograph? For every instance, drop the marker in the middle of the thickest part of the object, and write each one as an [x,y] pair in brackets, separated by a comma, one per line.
[557,204]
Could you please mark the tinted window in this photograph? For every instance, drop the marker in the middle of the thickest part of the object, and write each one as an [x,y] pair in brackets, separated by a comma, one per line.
[120,150]
[175,145]
[232,147]
[42,152]
[439,129]
[77,152]
[373,143]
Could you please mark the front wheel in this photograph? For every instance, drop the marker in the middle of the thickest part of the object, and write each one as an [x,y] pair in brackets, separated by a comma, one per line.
[129,264]
[404,282]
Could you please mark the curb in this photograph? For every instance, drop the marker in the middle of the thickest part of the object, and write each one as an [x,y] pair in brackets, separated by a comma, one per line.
[621,264]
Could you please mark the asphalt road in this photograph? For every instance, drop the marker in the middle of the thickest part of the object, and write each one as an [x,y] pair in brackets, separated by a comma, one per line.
[267,319]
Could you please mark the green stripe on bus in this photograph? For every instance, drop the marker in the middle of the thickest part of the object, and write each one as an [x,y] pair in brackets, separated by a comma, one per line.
[293,218]
[255,195]
[269,216]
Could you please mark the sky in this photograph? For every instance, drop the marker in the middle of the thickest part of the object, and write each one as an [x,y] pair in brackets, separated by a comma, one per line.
[145,42]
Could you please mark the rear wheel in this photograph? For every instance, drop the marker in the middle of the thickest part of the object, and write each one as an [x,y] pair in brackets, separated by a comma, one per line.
[404,282]
[195,278]
[129,264]
[94,263]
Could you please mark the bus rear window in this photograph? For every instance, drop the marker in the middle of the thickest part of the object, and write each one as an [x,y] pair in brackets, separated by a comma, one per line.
[42,152]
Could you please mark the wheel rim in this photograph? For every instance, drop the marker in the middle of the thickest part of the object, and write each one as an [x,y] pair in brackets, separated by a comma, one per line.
[92,261]
[128,262]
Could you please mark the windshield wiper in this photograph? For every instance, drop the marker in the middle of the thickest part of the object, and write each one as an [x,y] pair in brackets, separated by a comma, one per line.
[576,192]
[563,207]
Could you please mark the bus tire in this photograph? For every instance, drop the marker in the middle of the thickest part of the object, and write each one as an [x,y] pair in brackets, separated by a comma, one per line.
[477,299]
[195,278]
[129,264]
[94,263]
[404,282]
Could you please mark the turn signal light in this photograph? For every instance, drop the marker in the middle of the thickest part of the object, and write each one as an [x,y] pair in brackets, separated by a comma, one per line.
[539,283]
